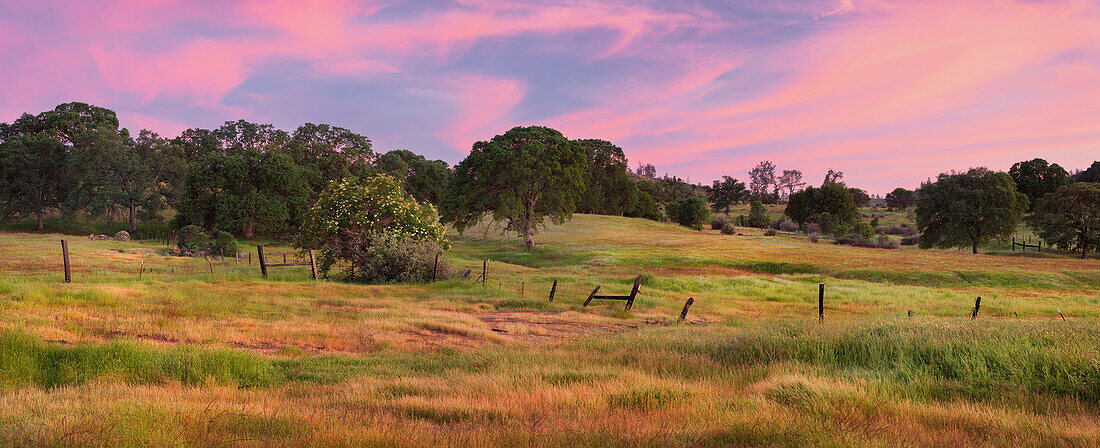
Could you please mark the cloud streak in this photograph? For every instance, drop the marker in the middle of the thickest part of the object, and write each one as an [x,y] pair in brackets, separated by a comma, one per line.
[889,91]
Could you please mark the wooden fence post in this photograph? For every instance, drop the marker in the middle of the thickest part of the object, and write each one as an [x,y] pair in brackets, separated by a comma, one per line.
[522,286]
[250,258]
[593,294]
[65,257]
[1060,314]
[821,302]
[634,292]
[552,289]
[977,305]
[313,264]
[484,271]
[435,270]
[684,313]
[263,264]
[211,265]
[142,271]
[284,257]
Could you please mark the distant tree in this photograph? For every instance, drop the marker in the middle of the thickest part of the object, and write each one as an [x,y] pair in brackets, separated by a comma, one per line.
[860,197]
[689,212]
[329,153]
[647,170]
[1036,178]
[758,215]
[1070,217]
[833,177]
[725,193]
[968,209]
[128,175]
[523,177]
[899,199]
[1092,174]
[248,193]
[830,206]
[426,180]
[33,180]
[608,188]
[762,180]
[790,180]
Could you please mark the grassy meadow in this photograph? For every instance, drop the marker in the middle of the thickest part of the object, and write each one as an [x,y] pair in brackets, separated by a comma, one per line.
[185,357]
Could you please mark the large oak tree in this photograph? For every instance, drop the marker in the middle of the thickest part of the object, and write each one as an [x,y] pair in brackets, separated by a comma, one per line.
[523,177]
[968,209]
[1070,217]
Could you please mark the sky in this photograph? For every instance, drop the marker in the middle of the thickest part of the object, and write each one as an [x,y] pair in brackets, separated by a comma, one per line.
[889,92]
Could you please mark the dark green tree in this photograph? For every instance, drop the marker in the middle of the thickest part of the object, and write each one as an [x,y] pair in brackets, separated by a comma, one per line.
[1036,178]
[127,174]
[522,177]
[899,199]
[689,212]
[860,197]
[833,201]
[426,180]
[1070,217]
[968,209]
[33,177]
[758,215]
[328,153]
[726,193]
[1092,174]
[608,188]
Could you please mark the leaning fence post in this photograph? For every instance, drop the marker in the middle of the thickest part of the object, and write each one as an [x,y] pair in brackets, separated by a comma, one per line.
[977,305]
[435,270]
[633,293]
[260,254]
[65,257]
[142,271]
[313,264]
[1060,314]
[552,289]
[684,313]
[821,301]
[593,294]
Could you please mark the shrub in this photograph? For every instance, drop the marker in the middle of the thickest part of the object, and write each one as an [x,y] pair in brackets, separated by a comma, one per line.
[192,238]
[689,212]
[874,221]
[814,237]
[352,215]
[857,240]
[865,230]
[785,225]
[758,215]
[718,222]
[882,242]
[910,240]
[811,228]
[902,230]
[770,232]
[728,229]
[193,241]
[223,243]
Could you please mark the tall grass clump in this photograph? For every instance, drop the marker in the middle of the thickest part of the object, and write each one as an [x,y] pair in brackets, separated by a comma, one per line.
[26,361]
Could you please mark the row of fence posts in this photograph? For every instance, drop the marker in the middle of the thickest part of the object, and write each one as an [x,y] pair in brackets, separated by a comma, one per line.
[483,278]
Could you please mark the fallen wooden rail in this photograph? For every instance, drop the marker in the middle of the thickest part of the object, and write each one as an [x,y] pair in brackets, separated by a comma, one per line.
[628,298]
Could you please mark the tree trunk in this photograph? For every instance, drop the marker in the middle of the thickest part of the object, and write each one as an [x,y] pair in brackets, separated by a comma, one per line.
[248,230]
[975,248]
[529,236]
[133,218]
[1085,250]
[39,220]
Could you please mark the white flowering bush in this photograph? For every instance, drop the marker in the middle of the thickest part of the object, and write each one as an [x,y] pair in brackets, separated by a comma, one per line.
[352,216]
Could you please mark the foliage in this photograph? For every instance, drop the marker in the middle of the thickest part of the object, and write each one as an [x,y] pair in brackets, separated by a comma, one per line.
[352,214]
[860,197]
[689,212]
[247,193]
[386,256]
[326,152]
[770,232]
[758,215]
[32,176]
[1070,217]
[718,221]
[1092,174]
[726,193]
[833,177]
[728,229]
[1036,178]
[865,230]
[647,170]
[609,189]
[785,225]
[426,180]
[830,206]
[860,240]
[968,209]
[193,240]
[900,199]
[790,180]
[762,180]
[523,177]
[646,208]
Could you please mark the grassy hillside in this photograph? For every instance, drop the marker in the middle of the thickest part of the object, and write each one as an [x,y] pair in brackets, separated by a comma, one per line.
[183,357]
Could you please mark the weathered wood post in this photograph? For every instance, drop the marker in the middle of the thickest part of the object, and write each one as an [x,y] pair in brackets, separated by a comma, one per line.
[142,271]
[633,293]
[250,258]
[484,271]
[1014,244]
[1060,314]
[435,270]
[522,286]
[210,263]
[910,313]
[65,258]
[313,264]
[284,257]
[553,288]
[977,305]
[684,313]
[263,264]
[821,301]
[593,294]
